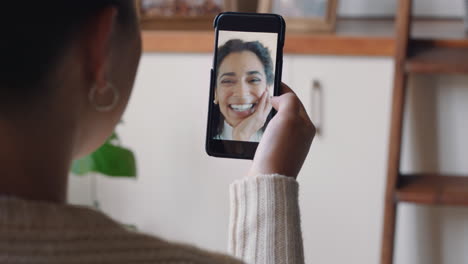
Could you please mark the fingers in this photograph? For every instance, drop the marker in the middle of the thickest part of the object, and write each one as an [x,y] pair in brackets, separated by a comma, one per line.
[249,126]
[286,89]
[275,102]
[268,104]
[287,100]
[289,103]
[263,102]
[265,111]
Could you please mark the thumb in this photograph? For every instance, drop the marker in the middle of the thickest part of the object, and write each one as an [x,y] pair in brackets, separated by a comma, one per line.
[275,102]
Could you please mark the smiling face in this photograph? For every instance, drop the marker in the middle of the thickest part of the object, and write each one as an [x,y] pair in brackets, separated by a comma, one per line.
[240,83]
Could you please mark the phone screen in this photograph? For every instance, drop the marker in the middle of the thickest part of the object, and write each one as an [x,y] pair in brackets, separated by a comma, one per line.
[244,83]
[246,73]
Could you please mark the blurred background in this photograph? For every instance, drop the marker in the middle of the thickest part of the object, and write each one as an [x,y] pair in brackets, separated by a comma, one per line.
[181,194]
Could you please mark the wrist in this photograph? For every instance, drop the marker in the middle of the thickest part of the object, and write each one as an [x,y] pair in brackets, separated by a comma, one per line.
[252,173]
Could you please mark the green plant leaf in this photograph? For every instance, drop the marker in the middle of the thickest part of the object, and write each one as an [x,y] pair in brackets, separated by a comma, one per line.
[110,159]
[114,161]
[83,166]
[113,136]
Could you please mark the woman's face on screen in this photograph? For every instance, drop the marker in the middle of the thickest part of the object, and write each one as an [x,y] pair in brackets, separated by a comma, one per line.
[240,84]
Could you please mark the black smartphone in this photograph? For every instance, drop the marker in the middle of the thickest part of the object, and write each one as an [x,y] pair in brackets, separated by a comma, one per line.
[247,68]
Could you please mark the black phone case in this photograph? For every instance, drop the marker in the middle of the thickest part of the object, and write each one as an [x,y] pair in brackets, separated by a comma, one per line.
[238,149]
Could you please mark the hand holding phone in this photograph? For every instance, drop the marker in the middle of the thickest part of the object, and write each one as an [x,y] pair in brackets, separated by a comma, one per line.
[287,139]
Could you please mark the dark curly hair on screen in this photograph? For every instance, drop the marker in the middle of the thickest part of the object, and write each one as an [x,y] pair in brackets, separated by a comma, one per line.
[262,52]
[238,45]
[35,35]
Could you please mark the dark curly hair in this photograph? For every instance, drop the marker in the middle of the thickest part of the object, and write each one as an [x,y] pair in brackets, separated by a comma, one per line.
[262,52]
[233,46]
[35,35]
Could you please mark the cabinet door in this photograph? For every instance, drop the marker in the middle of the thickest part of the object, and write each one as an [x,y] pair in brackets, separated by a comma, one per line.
[343,179]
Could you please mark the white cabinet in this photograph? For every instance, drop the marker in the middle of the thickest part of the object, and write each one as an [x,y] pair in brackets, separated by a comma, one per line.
[182,194]
[342,182]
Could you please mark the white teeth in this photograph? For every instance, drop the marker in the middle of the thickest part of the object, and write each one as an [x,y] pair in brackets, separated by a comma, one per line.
[241,107]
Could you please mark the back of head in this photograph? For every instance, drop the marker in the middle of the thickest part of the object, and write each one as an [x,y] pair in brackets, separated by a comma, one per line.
[34,36]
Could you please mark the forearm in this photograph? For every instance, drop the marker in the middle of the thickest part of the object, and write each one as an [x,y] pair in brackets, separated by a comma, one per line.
[265,221]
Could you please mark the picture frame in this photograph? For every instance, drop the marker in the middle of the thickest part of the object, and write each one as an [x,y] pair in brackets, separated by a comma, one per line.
[324,23]
[194,18]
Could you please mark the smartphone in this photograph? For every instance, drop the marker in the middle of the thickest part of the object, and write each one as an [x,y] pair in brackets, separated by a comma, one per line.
[246,72]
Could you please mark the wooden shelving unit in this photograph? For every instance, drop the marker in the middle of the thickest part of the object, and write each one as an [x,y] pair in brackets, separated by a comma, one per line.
[427,58]
[433,190]
[353,37]
[427,48]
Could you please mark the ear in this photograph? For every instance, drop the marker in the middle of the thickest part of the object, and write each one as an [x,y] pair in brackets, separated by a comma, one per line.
[97,43]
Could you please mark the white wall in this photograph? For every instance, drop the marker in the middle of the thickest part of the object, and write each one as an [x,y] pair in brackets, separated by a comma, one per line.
[80,190]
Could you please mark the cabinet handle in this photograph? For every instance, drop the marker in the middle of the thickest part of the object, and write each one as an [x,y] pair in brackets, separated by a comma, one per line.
[316,108]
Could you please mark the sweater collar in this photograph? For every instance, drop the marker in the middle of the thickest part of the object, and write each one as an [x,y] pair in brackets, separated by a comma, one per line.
[24,214]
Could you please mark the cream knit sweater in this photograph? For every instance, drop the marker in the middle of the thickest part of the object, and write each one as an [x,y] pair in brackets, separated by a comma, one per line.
[264,229]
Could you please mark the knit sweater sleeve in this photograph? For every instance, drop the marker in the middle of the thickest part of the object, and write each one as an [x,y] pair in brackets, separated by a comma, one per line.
[265,221]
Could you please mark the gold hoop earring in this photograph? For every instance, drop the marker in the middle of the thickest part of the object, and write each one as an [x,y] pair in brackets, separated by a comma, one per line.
[104,108]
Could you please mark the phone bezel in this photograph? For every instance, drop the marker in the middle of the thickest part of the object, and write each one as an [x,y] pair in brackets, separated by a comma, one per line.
[248,22]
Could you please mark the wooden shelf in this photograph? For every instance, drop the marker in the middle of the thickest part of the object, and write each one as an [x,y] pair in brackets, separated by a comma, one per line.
[358,37]
[433,190]
[353,37]
[439,57]
[326,44]
[339,45]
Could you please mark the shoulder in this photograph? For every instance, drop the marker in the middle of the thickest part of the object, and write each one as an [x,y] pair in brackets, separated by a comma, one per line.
[177,252]
[62,234]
